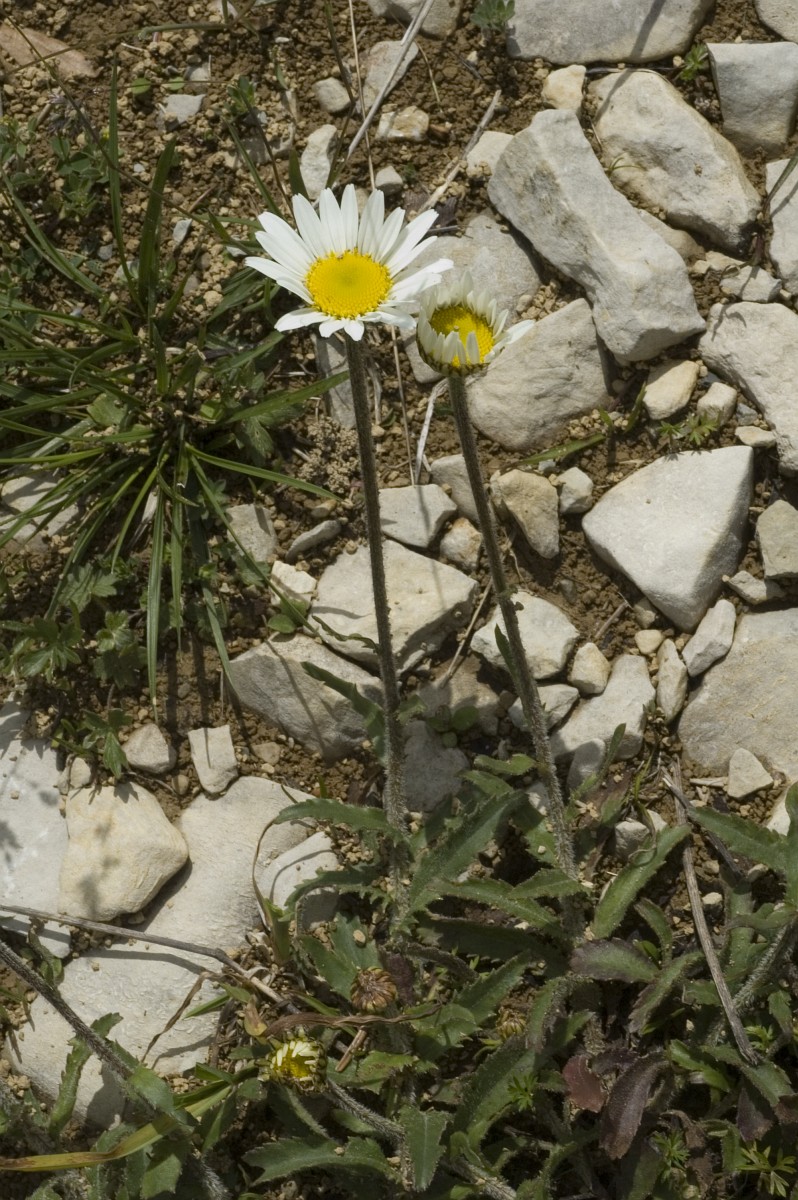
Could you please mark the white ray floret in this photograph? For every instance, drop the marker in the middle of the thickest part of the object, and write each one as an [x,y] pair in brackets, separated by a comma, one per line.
[348,269]
[460,329]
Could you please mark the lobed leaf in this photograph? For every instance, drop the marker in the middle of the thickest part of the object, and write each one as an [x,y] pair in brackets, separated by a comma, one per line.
[631,880]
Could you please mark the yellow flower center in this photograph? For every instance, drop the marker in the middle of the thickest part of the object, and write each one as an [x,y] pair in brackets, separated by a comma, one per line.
[457,318]
[348,285]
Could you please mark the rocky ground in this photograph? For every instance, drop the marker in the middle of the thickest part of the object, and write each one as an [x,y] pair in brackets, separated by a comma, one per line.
[596,175]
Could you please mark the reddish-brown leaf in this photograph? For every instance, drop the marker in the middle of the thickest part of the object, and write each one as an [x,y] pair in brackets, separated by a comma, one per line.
[584,1086]
[624,1110]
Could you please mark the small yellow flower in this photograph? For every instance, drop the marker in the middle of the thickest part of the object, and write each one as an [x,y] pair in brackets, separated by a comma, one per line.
[300,1063]
[460,330]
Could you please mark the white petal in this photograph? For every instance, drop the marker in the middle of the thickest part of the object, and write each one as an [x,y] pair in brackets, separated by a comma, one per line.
[392,316]
[349,216]
[472,348]
[517,331]
[413,234]
[309,227]
[388,234]
[331,326]
[354,329]
[368,238]
[408,288]
[331,222]
[298,319]
[284,243]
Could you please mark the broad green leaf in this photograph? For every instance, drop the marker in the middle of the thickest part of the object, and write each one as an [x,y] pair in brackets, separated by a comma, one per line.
[744,837]
[612,959]
[288,1156]
[505,897]
[163,1170]
[487,1091]
[517,764]
[653,915]
[702,1064]
[423,1130]
[546,1005]
[468,1009]
[339,813]
[631,880]
[768,1079]
[658,990]
[374,1068]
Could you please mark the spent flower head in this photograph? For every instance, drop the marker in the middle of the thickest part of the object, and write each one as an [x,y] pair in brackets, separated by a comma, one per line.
[460,329]
[348,269]
[373,990]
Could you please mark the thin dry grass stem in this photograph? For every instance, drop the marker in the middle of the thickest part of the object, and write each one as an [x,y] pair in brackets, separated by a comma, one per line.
[407,41]
[456,164]
[364,128]
[462,647]
[699,921]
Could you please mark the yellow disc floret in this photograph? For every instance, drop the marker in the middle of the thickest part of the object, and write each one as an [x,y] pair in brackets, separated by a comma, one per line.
[348,285]
[459,319]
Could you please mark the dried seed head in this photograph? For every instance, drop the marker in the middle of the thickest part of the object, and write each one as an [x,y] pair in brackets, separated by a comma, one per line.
[510,1023]
[373,990]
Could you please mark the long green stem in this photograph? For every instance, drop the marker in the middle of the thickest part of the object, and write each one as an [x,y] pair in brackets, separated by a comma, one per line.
[394,800]
[524,679]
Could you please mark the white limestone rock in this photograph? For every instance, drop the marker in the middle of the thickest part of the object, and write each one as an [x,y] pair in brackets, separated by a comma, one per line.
[671,681]
[214,757]
[741,280]
[752,590]
[532,503]
[748,699]
[563,88]
[148,750]
[746,775]
[676,527]
[415,515]
[316,160]
[755,347]
[669,387]
[389,182]
[253,528]
[283,872]
[463,689]
[271,681]
[673,159]
[678,239]
[576,491]
[712,639]
[779,819]
[440,21]
[461,545]
[717,404]
[450,471]
[331,360]
[331,95]
[580,31]
[427,601]
[784,218]
[310,539]
[590,670]
[547,635]
[34,835]
[409,124]
[648,641]
[551,186]
[481,159]
[556,699]
[20,494]
[554,372]
[385,60]
[121,851]
[178,109]
[779,15]
[631,836]
[777,537]
[147,984]
[757,88]
[432,770]
[585,763]
[291,582]
[624,701]
[756,438]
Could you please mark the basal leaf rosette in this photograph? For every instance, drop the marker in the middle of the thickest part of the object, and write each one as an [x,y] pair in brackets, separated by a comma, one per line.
[348,268]
[460,330]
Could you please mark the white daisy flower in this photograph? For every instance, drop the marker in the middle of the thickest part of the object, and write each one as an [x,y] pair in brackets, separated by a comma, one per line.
[460,330]
[347,269]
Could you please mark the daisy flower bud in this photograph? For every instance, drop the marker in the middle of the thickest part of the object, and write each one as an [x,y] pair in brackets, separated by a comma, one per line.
[301,1063]
[460,330]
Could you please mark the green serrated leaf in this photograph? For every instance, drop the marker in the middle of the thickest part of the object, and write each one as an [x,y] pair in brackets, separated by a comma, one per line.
[163,1170]
[744,837]
[337,812]
[612,959]
[424,1131]
[660,988]
[508,899]
[77,1058]
[631,880]
[288,1156]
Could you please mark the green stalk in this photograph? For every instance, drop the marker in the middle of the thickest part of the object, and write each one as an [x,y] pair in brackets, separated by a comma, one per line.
[524,679]
[394,798]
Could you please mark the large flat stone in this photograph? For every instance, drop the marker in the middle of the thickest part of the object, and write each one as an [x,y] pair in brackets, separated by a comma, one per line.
[548,637]
[427,600]
[757,84]
[624,701]
[669,157]
[584,31]
[784,217]
[748,699]
[676,527]
[553,189]
[755,347]
[779,15]
[552,374]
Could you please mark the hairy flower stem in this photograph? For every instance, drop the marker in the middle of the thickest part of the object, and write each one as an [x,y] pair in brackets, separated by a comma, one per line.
[394,799]
[524,680]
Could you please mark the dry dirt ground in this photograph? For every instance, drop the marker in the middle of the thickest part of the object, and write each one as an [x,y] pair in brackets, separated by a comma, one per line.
[282,48]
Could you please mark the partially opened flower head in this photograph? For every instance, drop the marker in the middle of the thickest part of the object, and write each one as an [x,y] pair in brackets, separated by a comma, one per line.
[460,329]
[348,269]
